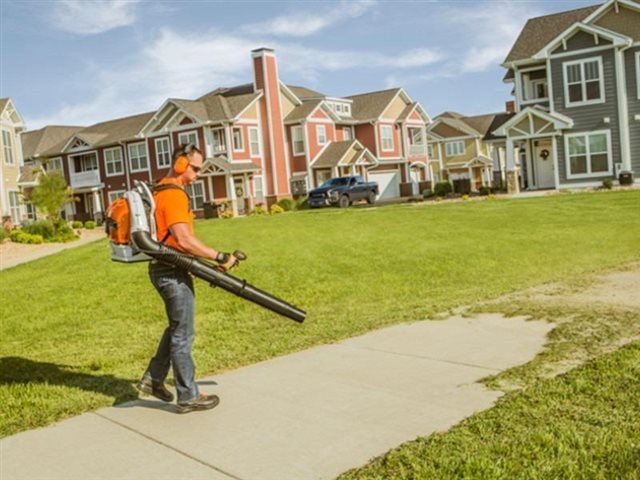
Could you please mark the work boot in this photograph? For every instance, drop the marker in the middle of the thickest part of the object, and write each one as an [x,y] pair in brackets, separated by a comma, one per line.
[202,402]
[155,388]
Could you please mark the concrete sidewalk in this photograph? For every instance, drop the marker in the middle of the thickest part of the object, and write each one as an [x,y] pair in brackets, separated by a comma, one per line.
[309,415]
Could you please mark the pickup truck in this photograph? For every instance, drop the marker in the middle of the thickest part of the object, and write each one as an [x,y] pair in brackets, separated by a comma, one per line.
[343,191]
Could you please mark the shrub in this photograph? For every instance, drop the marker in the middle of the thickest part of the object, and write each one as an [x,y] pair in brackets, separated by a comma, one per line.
[89,224]
[259,210]
[3,234]
[462,186]
[77,224]
[20,236]
[275,208]
[484,191]
[44,228]
[465,197]
[287,204]
[607,184]
[442,189]
[302,203]
[428,193]
[227,214]
[491,196]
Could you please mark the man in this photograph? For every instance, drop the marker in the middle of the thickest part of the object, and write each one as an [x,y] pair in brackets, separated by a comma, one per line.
[174,221]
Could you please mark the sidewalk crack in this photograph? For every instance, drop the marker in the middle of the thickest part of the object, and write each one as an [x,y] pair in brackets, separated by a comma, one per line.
[180,452]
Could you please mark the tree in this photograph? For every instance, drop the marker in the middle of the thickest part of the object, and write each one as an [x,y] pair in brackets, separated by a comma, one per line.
[51,194]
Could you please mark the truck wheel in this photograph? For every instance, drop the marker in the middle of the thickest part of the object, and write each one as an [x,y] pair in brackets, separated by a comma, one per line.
[344,201]
[371,198]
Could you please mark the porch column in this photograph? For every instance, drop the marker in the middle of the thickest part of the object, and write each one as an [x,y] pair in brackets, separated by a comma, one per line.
[512,174]
[471,179]
[247,190]
[97,205]
[232,195]
[483,176]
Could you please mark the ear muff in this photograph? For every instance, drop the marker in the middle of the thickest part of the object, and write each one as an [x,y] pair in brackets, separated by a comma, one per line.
[181,164]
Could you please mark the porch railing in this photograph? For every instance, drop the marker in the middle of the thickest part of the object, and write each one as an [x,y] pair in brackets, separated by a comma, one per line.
[90,178]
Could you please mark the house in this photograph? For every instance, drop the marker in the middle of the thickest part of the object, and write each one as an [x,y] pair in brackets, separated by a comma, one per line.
[262,141]
[14,210]
[467,149]
[576,78]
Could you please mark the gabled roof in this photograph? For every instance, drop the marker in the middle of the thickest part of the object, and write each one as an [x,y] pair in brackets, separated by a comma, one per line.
[16,118]
[29,175]
[539,31]
[301,112]
[46,141]
[477,125]
[334,154]
[304,93]
[369,106]
[111,132]
[3,103]
[556,119]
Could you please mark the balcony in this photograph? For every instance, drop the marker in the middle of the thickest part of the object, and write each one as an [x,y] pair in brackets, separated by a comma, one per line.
[417,150]
[90,178]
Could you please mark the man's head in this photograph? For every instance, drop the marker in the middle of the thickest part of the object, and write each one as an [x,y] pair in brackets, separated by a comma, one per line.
[187,163]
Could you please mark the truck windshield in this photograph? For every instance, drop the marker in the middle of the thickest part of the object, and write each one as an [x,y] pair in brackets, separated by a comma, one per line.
[336,182]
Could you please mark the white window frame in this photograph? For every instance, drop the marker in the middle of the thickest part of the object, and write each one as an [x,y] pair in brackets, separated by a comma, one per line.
[567,160]
[299,141]
[219,134]
[237,148]
[254,144]
[346,132]
[190,189]
[347,109]
[191,133]
[131,157]
[321,131]
[114,195]
[55,164]
[429,150]
[455,148]
[383,138]
[638,72]
[565,81]
[7,148]
[257,188]
[106,162]
[15,210]
[158,141]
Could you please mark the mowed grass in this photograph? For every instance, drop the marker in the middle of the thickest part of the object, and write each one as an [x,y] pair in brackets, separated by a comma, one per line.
[582,425]
[78,330]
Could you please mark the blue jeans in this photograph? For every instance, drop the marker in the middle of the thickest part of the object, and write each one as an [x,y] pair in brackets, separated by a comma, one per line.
[175,286]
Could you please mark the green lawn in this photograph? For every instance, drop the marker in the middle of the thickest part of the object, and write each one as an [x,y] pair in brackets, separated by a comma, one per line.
[77,330]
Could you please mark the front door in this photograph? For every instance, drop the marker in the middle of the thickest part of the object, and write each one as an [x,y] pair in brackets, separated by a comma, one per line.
[414,173]
[544,165]
[238,184]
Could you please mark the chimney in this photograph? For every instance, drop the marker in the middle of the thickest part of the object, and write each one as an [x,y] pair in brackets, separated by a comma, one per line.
[510,106]
[265,78]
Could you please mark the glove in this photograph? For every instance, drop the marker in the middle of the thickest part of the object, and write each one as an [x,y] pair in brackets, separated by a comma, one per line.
[226,261]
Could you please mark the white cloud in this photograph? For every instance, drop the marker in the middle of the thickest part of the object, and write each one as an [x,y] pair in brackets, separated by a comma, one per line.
[90,17]
[308,23]
[491,31]
[176,64]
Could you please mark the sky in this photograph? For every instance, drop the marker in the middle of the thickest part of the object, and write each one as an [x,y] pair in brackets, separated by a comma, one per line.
[79,62]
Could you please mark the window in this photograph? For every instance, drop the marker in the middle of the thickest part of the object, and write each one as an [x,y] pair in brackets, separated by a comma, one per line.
[321,134]
[238,143]
[138,157]
[347,109]
[163,153]
[7,147]
[113,161]
[455,149]
[219,144]
[346,131]
[31,212]
[430,150]
[588,154]
[14,206]
[188,137]
[638,72]
[54,164]
[254,142]
[583,82]
[257,188]
[387,137]
[298,140]
[196,193]
[115,194]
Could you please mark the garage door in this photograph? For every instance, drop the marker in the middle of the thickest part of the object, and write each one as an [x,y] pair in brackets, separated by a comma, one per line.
[388,184]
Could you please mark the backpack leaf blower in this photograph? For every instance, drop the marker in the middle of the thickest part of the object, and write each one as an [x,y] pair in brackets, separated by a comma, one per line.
[138,216]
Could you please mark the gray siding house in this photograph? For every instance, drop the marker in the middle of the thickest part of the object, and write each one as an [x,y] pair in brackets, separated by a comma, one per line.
[576,78]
